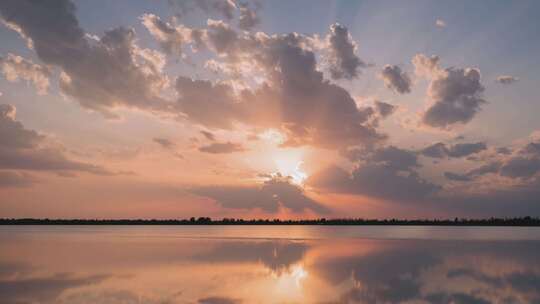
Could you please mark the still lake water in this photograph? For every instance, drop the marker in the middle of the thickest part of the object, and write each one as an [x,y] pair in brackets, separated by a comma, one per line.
[269,264]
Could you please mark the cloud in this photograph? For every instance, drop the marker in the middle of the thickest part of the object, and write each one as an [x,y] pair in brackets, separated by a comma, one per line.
[440,150]
[16,67]
[221,36]
[196,97]
[506,79]
[395,79]
[344,63]
[440,23]
[23,149]
[457,177]
[425,66]
[523,165]
[100,73]
[208,135]
[10,179]
[219,300]
[297,99]
[387,173]
[224,8]
[462,150]
[454,93]
[437,150]
[269,196]
[164,142]
[170,37]
[248,17]
[504,150]
[396,158]
[221,148]
[13,134]
[470,175]
[384,109]
[532,148]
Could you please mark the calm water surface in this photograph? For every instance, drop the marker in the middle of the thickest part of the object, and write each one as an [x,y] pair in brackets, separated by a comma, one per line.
[268,264]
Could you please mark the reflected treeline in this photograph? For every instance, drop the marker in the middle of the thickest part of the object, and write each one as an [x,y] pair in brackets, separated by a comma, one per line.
[518,221]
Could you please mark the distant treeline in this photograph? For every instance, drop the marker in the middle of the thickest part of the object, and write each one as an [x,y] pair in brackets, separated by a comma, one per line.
[520,221]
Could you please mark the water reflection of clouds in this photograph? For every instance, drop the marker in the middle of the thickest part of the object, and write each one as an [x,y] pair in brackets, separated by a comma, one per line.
[277,256]
[44,289]
[275,271]
[439,272]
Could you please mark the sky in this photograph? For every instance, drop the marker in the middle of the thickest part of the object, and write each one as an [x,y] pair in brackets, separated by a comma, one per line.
[259,109]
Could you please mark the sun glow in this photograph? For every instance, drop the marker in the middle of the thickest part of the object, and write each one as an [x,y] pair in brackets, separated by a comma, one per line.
[289,283]
[289,163]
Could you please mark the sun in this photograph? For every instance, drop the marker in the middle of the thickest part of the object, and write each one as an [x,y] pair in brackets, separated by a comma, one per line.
[289,163]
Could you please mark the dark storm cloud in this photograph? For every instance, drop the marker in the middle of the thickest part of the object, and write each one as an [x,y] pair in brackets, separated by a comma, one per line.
[454,93]
[268,196]
[164,142]
[222,148]
[395,79]
[388,173]
[441,150]
[23,149]
[100,73]
[344,63]
[505,79]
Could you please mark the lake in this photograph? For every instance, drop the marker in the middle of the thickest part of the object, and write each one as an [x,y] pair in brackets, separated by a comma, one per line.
[269,264]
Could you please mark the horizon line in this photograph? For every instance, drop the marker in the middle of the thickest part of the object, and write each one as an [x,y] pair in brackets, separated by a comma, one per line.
[492,221]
